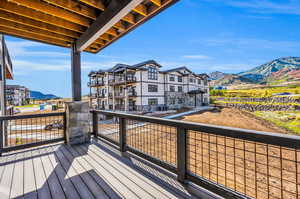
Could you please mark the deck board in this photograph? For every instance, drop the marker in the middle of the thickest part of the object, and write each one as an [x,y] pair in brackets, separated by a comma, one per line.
[17,180]
[42,187]
[29,179]
[6,180]
[68,187]
[82,171]
[52,179]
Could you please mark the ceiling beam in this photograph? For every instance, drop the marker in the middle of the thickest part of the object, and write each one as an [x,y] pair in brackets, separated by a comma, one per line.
[129,18]
[94,3]
[156,2]
[37,24]
[141,9]
[54,11]
[39,16]
[29,29]
[75,6]
[115,11]
[32,36]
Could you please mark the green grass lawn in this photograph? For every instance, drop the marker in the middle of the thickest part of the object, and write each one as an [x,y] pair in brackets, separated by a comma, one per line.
[287,119]
[27,106]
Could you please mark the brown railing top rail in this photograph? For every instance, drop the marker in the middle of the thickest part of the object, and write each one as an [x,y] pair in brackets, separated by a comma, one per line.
[284,140]
[15,117]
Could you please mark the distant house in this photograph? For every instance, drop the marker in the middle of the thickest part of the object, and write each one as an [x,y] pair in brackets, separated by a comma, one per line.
[220,88]
[145,87]
[16,95]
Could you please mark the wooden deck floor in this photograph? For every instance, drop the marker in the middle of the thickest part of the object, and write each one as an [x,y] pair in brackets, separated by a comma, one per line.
[93,170]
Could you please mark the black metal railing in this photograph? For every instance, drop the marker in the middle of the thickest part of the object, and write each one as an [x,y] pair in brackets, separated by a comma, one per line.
[232,162]
[22,131]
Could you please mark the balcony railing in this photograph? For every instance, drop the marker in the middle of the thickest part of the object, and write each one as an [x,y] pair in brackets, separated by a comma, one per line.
[132,93]
[234,163]
[95,83]
[121,80]
[23,131]
[98,95]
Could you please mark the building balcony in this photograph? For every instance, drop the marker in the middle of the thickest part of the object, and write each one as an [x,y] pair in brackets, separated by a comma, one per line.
[96,83]
[119,95]
[132,94]
[98,95]
[122,80]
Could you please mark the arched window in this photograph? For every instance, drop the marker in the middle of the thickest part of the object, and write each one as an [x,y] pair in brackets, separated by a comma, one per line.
[152,73]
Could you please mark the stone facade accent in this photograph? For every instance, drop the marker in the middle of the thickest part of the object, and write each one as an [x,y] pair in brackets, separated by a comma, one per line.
[78,123]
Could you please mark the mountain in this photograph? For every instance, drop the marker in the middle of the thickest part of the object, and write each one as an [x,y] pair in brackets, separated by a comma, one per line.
[216,75]
[230,79]
[265,70]
[279,71]
[40,96]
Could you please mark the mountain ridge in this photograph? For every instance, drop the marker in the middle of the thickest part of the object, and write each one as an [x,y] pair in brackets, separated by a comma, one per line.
[277,71]
[41,96]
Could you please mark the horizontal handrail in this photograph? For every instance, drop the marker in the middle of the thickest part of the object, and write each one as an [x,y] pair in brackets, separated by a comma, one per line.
[14,117]
[284,140]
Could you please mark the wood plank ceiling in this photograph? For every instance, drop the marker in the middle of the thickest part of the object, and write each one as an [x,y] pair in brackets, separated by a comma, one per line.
[62,22]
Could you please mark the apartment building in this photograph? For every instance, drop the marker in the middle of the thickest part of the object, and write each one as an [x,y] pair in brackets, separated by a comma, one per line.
[145,87]
[16,95]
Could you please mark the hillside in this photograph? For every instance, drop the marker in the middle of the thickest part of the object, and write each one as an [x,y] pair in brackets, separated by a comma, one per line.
[216,75]
[40,96]
[279,71]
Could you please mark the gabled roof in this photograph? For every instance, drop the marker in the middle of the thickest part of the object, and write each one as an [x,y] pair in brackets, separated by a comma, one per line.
[145,63]
[121,67]
[178,69]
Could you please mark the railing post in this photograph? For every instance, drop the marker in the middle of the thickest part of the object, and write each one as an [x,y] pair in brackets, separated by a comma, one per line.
[181,154]
[122,134]
[95,124]
[65,127]
[1,137]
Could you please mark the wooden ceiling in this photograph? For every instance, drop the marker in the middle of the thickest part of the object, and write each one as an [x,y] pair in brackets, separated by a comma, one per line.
[63,22]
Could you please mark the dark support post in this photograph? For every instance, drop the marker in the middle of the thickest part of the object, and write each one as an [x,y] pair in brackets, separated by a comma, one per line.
[65,127]
[1,137]
[76,74]
[2,77]
[122,135]
[95,124]
[181,154]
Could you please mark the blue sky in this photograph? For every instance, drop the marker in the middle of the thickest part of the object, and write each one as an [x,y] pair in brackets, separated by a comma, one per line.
[204,35]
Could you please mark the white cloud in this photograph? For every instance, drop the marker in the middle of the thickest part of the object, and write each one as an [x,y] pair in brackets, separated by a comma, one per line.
[199,67]
[265,6]
[247,43]
[26,48]
[197,57]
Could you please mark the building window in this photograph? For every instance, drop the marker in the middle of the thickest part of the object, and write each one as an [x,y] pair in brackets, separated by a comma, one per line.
[152,88]
[152,73]
[152,101]
[172,101]
[191,80]
[180,101]
[179,78]
[205,82]
[172,78]
[180,89]
[172,88]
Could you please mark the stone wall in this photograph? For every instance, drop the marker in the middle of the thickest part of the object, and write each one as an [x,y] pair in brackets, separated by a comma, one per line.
[262,99]
[78,122]
[255,107]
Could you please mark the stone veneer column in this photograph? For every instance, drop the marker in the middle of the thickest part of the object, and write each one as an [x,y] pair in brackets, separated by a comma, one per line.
[77,119]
